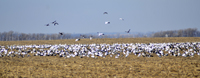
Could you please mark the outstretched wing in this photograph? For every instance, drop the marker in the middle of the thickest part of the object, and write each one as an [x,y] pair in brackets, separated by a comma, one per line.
[128,31]
[105,13]
[60,33]
[47,24]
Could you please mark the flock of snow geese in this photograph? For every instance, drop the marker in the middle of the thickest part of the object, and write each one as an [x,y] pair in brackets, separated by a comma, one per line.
[116,50]
[99,33]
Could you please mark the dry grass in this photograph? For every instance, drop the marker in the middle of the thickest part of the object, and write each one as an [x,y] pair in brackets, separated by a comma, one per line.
[108,67]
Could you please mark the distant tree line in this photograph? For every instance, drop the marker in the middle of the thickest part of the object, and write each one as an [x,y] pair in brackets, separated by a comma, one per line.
[15,36]
[189,32]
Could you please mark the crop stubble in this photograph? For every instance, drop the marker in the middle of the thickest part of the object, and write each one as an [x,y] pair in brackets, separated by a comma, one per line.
[108,67]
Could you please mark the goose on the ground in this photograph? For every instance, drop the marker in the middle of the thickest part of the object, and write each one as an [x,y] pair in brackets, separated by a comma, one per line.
[78,39]
[91,37]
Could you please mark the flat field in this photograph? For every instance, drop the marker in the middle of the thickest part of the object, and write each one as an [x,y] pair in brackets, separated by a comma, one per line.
[105,40]
[109,67]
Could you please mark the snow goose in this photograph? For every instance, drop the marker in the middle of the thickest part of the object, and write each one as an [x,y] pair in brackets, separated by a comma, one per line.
[78,39]
[100,34]
[128,31]
[107,22]
[105,13]
[47,24]
[60,33]
[121,19]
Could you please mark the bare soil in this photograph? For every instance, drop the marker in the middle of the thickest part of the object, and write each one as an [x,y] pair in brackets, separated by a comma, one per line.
[109,67]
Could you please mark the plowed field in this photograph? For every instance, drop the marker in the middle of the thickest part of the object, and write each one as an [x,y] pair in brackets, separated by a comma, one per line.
[109,67]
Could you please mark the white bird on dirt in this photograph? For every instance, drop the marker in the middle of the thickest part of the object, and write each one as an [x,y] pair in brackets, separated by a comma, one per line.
[184,55]
[192,54]
[127,55]
[139,55]
[179,54]
[78,39]
[158,55]
[116,56]
[90,37]
[198,53]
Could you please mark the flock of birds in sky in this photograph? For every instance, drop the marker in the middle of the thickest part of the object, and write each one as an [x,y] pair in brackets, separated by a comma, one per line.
[82,36]
[115,50]
[54,23]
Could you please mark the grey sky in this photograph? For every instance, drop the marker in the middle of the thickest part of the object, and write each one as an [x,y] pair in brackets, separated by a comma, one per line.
[86,16]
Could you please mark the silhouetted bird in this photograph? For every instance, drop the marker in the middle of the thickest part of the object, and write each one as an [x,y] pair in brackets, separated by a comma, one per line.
[105,13]
[128,31]
[83,36]
[60,33]
[47,24]
[54,22]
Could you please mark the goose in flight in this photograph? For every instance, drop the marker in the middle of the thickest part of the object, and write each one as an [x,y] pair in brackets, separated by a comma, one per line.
[107,22]
[60,33]
[47,24]
[105,13]
[100,34]
[83,36]
[128,31]
[56,23]
[121,19]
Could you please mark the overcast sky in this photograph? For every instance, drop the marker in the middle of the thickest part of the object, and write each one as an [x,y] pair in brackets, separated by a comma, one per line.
[86,16]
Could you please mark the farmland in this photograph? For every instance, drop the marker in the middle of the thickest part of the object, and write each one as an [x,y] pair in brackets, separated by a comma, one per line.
[109,67]
[105,40]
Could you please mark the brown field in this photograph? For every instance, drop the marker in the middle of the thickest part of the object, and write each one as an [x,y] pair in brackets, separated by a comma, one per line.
[105,40]
[108,67]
